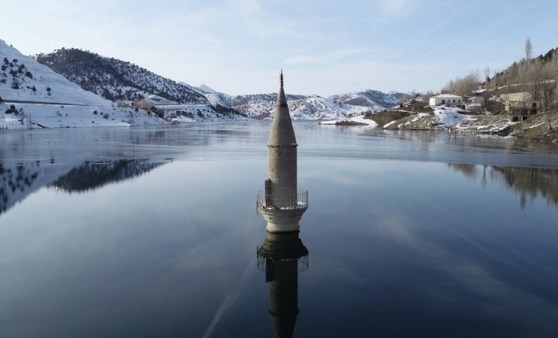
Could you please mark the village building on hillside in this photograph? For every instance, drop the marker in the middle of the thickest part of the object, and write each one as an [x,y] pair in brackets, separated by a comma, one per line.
[475,104]
[144,104]
[475,108]
[477,99]
[520,105]
[446,100]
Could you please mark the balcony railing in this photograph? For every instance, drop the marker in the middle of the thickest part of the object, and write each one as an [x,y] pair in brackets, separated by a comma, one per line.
[293,201]
[302,262]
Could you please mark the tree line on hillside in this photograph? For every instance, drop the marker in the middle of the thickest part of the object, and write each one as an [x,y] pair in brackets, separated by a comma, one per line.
[537,76]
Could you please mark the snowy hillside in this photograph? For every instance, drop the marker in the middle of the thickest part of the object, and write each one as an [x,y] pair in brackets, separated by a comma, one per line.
[372,99]
[160,100]
[24,79]
[258,101]
[30,115]
[115,79]
[37,97]
[316,107]
[118,80]
[302,107]
[307,107]
[206,89]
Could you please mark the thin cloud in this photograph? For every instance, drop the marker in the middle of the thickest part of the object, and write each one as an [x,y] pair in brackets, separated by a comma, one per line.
[325,58]
[483,29]
[396,7]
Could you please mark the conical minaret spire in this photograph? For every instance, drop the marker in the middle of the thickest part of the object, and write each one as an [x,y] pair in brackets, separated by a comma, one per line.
[282,157]
[282,132]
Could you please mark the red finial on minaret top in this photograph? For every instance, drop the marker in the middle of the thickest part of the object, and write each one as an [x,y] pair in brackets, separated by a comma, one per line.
[281,78]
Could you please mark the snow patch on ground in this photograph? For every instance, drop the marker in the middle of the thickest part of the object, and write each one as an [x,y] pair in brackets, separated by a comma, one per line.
[71,116]
[355,119]
[450,116]
[387,125]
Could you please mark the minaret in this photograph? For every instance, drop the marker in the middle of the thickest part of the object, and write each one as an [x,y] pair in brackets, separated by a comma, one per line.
[281,203]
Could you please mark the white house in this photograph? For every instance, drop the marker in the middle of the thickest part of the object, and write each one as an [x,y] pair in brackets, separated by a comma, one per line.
[446,99]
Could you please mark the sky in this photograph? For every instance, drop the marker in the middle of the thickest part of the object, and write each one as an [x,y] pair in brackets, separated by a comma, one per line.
[324,47]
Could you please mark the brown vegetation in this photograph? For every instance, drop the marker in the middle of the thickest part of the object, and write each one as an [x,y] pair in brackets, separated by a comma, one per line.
[386,116]
[349,123]
[541,127]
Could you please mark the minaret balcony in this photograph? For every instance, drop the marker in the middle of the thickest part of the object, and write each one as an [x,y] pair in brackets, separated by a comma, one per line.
[270,202]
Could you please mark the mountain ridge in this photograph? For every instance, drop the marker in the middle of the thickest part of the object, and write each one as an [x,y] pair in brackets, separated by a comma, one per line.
[121,80]
[115,79]
[105,91]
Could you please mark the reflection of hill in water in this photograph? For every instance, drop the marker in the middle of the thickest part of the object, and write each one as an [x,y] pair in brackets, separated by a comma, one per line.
[92,175]
[527,182]
[17,181]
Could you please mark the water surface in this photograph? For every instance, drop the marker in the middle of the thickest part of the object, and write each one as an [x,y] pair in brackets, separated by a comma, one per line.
[154,232]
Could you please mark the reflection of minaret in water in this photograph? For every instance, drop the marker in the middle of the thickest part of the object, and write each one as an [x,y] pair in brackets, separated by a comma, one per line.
[282,255]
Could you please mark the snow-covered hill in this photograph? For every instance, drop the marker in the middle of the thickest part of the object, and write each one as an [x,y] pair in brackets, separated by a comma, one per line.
[24,79]
[372,99]
[307,107]
[302,107]
[118,80]
[317,107]
[115,79]
[35,96]
[122,83]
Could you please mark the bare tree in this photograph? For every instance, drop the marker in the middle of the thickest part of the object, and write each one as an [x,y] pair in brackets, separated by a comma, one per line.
[464,85]
[528,49]
[487,74]
[541,82]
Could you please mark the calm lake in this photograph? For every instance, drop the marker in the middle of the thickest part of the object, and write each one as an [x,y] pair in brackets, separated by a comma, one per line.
[146,232]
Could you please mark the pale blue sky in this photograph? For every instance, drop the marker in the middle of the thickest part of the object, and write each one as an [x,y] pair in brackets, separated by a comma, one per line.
[324,47]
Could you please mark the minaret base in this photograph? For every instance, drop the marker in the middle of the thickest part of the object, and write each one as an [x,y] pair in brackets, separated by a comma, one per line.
[277,228]
[282,220]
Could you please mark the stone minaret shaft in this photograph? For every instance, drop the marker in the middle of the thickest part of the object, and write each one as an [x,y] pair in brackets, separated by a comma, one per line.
[282,156]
